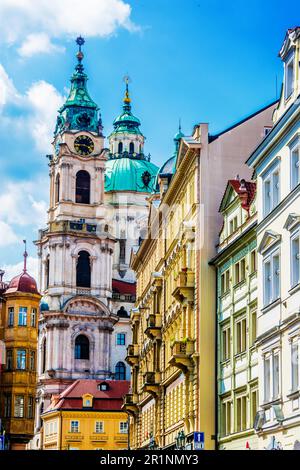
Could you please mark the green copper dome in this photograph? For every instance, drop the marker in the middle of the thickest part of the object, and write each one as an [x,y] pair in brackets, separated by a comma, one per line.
[79,112]
[126,122]
[130,174]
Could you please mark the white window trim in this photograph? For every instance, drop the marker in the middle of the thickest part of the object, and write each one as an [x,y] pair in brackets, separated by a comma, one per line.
[268,176]
[294,235]
[78,427]
[270,355]
[122,430]
[295,146]
[295,340]
[102,427]
[270,258]
[289,60]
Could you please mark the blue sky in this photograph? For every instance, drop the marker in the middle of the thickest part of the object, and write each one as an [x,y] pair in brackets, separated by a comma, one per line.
[198,60]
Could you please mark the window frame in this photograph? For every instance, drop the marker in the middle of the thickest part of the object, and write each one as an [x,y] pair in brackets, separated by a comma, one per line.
[21,406]
[294,147]
[74,426]
[294,236]
[274,385]
[268,177]
[22,316]
[11,315]
[23,359]
[288,61]
[118,335]
[121,425]
[101,426]
[269,259]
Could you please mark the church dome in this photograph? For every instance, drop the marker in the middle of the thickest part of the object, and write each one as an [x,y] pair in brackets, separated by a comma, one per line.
[23,283]
[130,174]
[169,167]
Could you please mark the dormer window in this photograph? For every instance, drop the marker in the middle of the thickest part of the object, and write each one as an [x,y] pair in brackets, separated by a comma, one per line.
[103,387]
[289,76]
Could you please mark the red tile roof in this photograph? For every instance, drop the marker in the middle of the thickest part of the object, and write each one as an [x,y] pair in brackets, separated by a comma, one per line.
[110,400]
[22,283]
[122,287]
[246,191]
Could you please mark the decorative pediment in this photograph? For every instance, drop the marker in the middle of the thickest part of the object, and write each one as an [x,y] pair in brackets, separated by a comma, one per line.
[292,221]
[86,306]
[269,239]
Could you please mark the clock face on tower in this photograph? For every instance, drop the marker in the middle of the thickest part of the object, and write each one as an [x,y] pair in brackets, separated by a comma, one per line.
[84,145]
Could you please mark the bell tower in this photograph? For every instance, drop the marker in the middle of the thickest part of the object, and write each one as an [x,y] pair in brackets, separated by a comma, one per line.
[75,251]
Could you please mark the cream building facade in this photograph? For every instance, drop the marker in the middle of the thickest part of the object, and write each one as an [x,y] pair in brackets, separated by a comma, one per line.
[276,163]
[175,260]
[237,362]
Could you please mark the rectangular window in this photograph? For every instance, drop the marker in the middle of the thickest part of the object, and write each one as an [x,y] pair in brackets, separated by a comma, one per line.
[295,260]
[74,426]
[30,408]
[121,339]
[226,418]
[240,271]
[241,333]
[21,359]
[226,344]
[7,406]
[253,261]
[267,379]
[233,225]
[11,315]
[271,191]
[253,316]
[254,405]
[99,427]
[19,406]
[271,376]
[295,166]
[275,375]
[22,316]
[123,427]
[9,359]
[289,76]
[241,410]
[295,365]
[271,278]
[32,360]
[225,282]
[33,318]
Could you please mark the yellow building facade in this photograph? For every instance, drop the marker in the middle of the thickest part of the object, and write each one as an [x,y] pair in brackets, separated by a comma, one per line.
[87,416]
[19,318]
[163,403]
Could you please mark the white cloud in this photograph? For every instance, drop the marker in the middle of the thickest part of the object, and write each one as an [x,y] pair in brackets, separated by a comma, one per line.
[37,43]
[7,235]
[12,270]
[8,92]
[24,203]
[44,101]
[37,109]
[61,19]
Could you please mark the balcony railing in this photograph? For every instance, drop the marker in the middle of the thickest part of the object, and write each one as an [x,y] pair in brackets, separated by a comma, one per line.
[153,327]
[98,437]
[185,286]
[132,354]
[181,352]
[151,383]
[130,403]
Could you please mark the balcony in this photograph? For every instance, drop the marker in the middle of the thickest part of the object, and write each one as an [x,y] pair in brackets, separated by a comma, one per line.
[130,403]
[132,357]
[181,352]
[153,328]
[185,287]
[74,436]
[121,438]
[151,383]
[98,437]
[83,291]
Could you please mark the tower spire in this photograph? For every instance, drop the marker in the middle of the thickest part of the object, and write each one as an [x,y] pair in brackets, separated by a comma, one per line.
[80,41]
[25,255]
[127,99]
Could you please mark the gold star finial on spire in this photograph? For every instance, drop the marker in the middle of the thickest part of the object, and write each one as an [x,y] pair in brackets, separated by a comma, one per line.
[127,80]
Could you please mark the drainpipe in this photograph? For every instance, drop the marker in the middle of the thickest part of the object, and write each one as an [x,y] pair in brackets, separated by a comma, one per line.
[216,364]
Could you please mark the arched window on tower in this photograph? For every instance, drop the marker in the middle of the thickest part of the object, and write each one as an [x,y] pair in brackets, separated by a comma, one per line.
[83,187]
[57,188]
[131,147]
[120,147]
[82,347]
[83,270]
[47,272]
[120,371]
[44,356]
[122,251]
